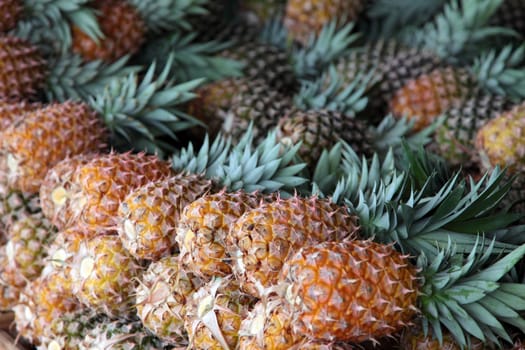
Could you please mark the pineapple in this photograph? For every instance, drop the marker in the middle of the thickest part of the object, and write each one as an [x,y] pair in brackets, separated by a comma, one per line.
[266,62]
[392,65]
[499,141]
[26,249]
[123,28]
[229,105]
[23,70]
[148,216]
[455,137]
[9,293]
[511,14]
[57,188]
[37,142]
[104,181]
[350,291]
[415,339]
[161,297]
[203,229]
[304,17]
[214,314]
[424,98]
[104,275]
[261,11]
[11,110]
[262,238]
[10,10]
[319,130]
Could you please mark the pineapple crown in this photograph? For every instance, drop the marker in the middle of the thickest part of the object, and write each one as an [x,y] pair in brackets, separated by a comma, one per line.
[47,23]
[465,294]
[71,78]
[349,100]
[191,59]
[320,51]
[274,32]
[266,168]
[502,72]
[418,208]
[390,16]
[460,31]
[140,114]
[168,15]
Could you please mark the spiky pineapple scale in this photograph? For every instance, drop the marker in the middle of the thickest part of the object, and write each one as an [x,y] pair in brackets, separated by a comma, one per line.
[262,238]
[350,291]
[149,215]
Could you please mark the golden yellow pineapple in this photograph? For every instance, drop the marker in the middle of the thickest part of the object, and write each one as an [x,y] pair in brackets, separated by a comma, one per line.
[263,238]
[350,291]
[22,70]
[123,28]
[58,187]
[105,180]
[149,215]
[35,143]
[214,314]
[104,275]
[161,298]
[203,229]
[500,141]
[305,17]
[10,12]
[424,98]
[26,249]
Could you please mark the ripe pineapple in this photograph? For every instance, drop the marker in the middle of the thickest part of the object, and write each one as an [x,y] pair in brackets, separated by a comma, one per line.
[500,142]
[9,293]
[214,314]
[10,110]
[319,130]
[42,138]
[105,180]
[10,12]
[57,188]
[161,298]
[455,137]
[26,249]
[123,28]
[23,71]
[148,215]
[104,275]
[262,238]
[350,291]
[392,64]
[304,17]
[424,98]
[203,229]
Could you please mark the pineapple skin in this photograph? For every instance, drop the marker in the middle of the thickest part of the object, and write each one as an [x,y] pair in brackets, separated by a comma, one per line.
[57,188]
[500,141]
[214,314]
[320,130]
[161,297]
[379,285]
[203,230]
[304,17]
[104,276]
[124,32]
[263,238]
[455,138]
[34,144]
[23,71]
[10,13]
[424,98]
[105,180]
[149,215]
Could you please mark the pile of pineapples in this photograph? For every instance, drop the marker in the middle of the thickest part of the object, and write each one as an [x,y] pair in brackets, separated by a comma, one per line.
[300,174]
